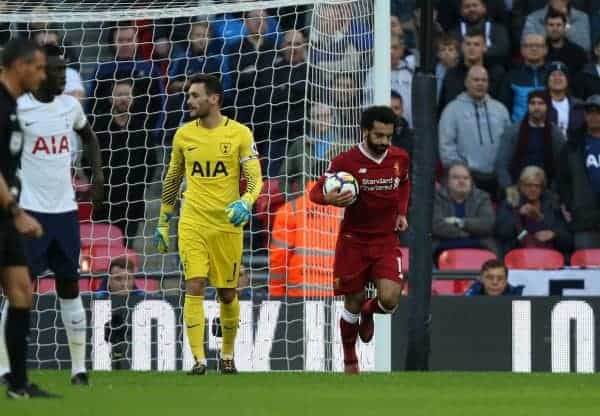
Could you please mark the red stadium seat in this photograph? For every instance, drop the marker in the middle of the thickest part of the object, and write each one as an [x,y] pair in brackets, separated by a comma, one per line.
[405,259]
[48,285]
[101,256]
[586,258]
[95,234]
[442,287]
[534,259]
[84,211]
[270,199]
[464,259]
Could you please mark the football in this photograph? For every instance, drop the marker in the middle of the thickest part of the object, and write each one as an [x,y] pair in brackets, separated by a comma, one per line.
[342,182]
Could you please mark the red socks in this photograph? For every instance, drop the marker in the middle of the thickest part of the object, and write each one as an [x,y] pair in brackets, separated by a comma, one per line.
[349,334]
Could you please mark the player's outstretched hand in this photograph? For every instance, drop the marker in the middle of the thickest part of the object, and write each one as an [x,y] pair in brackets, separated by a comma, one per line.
[339,200]
[27,225]
[238,212]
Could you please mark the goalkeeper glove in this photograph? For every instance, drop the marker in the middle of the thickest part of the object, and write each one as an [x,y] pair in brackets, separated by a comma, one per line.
[238,212]
[161,234]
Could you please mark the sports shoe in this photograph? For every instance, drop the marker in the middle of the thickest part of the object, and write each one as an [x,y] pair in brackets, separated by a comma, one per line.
[351,367]
[80,379]
[366,328]
[227,366]
[30,391]
[197,370]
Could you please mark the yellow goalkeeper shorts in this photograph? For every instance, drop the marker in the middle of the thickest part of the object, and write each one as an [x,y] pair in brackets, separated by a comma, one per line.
[213,254]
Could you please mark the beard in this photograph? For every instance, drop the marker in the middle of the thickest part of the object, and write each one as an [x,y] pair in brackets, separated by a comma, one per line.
[377,149]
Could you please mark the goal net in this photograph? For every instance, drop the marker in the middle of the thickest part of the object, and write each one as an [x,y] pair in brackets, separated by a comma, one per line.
[294,72]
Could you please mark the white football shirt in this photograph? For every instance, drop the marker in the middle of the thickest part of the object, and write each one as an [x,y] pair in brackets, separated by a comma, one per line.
[48,133]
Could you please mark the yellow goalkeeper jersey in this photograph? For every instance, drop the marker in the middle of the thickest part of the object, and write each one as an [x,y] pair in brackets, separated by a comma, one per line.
[213,161]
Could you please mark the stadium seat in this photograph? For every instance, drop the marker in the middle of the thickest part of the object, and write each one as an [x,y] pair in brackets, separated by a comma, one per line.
[405,259]
[442,287]
[84,211]
[534,259]
[464,259]
[101,256]
[48,285]
[586,258]
[95,234]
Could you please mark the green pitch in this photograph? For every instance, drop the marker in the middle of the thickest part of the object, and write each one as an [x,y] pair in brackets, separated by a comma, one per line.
[447,394]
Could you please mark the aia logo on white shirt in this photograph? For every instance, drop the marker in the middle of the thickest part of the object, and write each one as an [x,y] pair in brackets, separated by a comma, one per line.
[51,145]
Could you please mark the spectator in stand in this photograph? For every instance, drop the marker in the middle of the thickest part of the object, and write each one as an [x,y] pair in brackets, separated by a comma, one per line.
[493,281]
[201,55]
[250,58]
[579,178]
[162,54]
[566,111]
[412,29]
[309,157]
[532,221]
[463,216]
[298,263]
[145,74]
[348,98]
[450,13]
[473,52]
[578,23]
[448,57]
[559,47]
[120,280]
[587,82]
[534,141]
[127,159]
[340,41]
[286,93]
[527,77]
[403,67]
[404,136]
[396,25]
[470,130]
[474,16]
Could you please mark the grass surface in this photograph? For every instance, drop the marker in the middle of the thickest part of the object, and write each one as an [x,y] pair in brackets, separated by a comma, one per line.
[448,394]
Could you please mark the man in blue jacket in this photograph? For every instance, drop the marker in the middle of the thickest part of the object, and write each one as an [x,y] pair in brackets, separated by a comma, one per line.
[493,281]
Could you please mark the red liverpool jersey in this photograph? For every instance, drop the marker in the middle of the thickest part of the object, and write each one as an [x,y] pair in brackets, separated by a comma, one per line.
[384,190]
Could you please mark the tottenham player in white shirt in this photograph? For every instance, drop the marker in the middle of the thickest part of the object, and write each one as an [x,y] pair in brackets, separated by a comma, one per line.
[49,120]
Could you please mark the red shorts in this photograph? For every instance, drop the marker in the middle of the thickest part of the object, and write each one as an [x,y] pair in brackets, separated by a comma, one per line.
[358,261]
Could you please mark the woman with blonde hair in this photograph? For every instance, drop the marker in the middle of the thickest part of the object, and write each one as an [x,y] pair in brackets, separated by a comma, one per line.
[532,220]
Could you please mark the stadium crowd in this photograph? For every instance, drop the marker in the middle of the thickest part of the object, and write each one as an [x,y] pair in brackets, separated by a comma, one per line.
[518,104]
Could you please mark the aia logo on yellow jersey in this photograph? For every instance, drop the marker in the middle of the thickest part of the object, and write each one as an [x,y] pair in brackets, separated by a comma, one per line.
[208,169]
[225,148]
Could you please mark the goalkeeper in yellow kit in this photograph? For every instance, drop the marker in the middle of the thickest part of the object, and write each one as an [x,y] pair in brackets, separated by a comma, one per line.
[212,151]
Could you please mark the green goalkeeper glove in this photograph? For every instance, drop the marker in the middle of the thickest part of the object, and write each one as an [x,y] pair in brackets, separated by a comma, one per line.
[161,234]
[238,212]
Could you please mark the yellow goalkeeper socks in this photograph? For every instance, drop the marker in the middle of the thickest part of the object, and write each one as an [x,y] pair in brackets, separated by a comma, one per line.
[230,316]
[193,315]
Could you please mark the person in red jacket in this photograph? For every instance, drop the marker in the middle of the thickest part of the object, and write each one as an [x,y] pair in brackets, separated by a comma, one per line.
[367,247]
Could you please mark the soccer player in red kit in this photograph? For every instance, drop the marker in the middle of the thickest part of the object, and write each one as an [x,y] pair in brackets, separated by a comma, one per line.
[367,247]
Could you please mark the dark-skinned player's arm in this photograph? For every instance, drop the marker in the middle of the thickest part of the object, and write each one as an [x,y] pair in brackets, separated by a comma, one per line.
[24,223]
[318,196]
[404,191]
[92,148]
